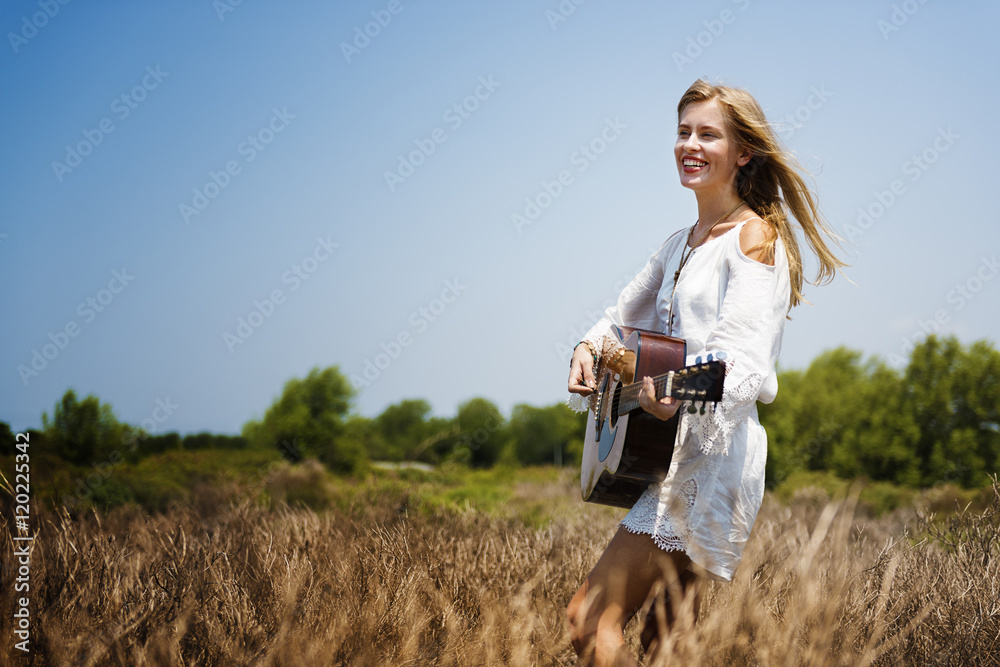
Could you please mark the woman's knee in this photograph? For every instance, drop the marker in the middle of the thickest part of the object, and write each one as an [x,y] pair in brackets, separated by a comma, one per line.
[576,620]
[590,622]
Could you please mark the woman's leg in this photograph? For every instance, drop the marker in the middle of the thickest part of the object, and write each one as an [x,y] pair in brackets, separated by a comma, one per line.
[682,600]
[619,584]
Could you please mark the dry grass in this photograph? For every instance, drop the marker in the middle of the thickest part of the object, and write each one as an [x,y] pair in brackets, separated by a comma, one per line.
[381,584]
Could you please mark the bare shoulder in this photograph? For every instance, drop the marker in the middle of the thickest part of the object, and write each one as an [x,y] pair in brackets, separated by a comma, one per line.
[757,240]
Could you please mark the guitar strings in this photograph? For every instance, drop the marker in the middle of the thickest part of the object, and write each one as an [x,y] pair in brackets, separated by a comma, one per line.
[628,398]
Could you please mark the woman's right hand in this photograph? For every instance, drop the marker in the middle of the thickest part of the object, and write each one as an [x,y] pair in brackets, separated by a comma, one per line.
[581,371]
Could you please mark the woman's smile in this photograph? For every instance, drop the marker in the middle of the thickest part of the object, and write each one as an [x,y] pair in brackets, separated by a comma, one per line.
[692,165]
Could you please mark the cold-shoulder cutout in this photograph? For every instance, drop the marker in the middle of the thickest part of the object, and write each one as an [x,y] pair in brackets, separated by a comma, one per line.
[754,238]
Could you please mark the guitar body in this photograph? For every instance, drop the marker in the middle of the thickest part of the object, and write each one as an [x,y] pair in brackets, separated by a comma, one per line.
[623,454]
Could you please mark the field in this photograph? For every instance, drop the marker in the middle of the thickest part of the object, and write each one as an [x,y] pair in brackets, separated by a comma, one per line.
[416,568]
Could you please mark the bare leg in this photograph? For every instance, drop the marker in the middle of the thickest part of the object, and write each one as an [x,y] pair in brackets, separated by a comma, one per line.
[619,584]
[673,606]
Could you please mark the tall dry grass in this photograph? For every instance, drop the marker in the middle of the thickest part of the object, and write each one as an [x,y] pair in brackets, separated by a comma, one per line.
[382,584]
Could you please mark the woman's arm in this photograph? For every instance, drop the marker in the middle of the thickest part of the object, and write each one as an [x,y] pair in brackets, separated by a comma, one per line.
[747,335]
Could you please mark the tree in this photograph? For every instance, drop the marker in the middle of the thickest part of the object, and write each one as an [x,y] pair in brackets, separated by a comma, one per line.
[481,433]
[7,439]
[779,420]
[938,421]
[878,442]
[811,412]
[207,440]
[403,427]
[552,434]
[953,395]
[308,420]
[82,432]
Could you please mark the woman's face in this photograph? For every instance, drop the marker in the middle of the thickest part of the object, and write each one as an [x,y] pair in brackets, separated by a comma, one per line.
[707,157]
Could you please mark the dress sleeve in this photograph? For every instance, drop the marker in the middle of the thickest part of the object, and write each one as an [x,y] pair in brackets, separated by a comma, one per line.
[636,307]
[746,337]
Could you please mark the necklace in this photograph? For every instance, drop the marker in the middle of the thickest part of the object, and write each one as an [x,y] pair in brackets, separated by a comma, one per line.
[686,255]
[690,248]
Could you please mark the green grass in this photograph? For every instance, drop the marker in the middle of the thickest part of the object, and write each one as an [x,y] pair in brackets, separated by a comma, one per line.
[153,483]
[533,496]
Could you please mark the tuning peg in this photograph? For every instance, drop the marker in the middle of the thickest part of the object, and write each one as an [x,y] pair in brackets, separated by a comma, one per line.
[691,409]
[703,407]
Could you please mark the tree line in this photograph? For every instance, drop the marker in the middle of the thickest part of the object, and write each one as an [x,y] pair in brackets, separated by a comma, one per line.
[935,421]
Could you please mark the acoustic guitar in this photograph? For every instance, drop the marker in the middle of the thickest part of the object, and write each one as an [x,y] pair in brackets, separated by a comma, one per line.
[626,449]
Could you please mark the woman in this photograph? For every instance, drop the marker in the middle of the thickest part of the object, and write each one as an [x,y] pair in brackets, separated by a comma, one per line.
[725,285]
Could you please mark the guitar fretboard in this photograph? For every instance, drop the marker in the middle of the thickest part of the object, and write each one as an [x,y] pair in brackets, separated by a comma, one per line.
[629,398]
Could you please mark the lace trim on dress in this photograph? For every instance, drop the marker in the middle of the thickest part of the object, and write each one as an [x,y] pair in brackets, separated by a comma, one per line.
[669,526]
[715,428]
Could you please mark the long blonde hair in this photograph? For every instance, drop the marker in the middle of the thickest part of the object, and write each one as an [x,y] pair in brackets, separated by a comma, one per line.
[770,183]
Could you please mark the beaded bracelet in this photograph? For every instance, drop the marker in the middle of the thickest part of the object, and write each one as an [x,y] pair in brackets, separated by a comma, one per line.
[589,347]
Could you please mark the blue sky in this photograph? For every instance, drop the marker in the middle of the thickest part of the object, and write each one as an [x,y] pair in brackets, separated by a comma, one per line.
[202,200]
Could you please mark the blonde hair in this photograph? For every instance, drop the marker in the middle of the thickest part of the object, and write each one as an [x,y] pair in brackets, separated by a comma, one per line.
[771,184]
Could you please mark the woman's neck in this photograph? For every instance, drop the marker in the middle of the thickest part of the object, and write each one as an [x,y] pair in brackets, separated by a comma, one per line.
[716,208]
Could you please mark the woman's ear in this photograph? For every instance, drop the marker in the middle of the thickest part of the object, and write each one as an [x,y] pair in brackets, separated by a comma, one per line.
[744,157]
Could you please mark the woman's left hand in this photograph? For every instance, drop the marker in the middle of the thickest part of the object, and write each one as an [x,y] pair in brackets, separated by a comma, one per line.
[663,409]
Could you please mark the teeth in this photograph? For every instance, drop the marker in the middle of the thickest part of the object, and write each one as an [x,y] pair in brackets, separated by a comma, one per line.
[694,163]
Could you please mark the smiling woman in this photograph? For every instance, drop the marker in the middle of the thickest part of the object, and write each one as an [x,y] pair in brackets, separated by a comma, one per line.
[725,287]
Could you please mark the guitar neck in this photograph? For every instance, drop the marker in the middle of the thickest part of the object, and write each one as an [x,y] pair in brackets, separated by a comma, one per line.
[701,382]
[629,399]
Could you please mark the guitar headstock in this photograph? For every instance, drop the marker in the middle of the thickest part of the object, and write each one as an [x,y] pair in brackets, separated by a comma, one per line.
[700,382]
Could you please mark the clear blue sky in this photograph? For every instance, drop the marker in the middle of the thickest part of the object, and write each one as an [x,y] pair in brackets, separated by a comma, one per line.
[170,168]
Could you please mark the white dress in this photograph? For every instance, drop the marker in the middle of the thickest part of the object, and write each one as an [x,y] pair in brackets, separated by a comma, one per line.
[731,307]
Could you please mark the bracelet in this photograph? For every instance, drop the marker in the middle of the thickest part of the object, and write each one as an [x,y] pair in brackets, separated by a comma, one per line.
[589,347]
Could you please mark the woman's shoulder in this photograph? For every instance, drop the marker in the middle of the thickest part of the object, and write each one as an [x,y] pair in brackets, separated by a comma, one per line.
[757,240]
[675,240]
[670,247]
